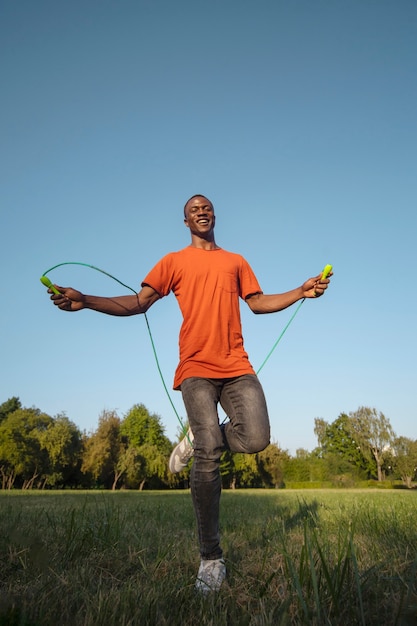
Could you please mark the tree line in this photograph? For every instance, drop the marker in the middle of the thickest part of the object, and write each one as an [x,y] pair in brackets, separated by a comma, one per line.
[132,452]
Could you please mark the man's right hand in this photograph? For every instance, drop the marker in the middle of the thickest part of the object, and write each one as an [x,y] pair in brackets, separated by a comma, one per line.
[68,299]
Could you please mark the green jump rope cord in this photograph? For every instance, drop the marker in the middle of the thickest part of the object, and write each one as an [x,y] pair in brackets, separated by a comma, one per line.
[280,337]
[150,333]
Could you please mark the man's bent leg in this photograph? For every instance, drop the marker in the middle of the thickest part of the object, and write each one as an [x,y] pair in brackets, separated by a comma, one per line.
[243,400]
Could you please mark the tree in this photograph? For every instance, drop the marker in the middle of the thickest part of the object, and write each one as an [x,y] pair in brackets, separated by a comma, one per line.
[143,465]
[238,469]
[405,459]
[339,447]
[141,427]
[22,458]
[10,406]
[63,442]
[149,448]
[271,463]
[245,470]
[320,430]
[305,467]
[103,450]
[373,434]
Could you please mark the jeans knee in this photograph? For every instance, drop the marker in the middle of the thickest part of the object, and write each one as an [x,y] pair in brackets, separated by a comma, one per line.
[258,443]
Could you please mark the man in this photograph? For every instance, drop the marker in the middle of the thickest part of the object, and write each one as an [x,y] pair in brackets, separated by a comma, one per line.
[213,366]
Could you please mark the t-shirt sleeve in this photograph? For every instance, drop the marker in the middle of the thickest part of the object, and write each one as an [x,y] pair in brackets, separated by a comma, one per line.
[249,285]
[161,276]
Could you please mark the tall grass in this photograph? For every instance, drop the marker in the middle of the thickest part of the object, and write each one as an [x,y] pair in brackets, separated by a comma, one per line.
[313,557]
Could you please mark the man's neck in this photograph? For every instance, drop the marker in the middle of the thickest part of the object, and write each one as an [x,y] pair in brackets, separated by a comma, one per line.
[203,244]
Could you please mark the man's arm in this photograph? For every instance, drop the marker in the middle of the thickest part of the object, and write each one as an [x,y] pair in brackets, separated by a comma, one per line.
[72,300]
[263,303]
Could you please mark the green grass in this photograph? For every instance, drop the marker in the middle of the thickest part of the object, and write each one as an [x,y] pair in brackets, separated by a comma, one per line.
[126,558]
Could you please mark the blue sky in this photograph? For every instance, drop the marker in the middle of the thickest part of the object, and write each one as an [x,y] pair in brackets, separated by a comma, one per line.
[296,118]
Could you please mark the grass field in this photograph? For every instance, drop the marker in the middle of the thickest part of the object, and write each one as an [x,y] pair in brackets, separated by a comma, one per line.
[126,558]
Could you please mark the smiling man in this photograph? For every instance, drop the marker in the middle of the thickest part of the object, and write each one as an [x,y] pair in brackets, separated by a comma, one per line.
[213,368]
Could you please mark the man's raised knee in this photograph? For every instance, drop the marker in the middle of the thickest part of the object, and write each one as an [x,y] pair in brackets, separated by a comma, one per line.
[257,444]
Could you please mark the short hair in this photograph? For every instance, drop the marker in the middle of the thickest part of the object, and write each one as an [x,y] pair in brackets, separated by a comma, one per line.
[196,195]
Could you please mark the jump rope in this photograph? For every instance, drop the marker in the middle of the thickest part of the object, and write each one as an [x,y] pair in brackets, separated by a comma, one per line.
[47,282]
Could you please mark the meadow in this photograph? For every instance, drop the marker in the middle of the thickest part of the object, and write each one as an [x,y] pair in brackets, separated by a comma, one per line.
[318,557]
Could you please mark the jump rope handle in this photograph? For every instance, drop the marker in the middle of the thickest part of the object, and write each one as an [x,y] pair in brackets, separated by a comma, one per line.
[326,271]
[45,281]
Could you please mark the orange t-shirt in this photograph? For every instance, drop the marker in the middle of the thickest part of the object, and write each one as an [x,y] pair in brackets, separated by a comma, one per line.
[207,285]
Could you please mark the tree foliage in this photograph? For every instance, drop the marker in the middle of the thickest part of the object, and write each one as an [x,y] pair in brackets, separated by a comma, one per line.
[373,434]
[361,440]
[132,451]
[23,460]
[238,470]
[271,465]
[145,434]
[37,450]
[102,451]
[149,466]
[141,427]
[62,441]
[336,439]
[405,459]
[10,406]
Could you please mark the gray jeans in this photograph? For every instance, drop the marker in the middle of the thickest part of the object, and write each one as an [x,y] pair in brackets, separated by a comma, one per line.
[243,401]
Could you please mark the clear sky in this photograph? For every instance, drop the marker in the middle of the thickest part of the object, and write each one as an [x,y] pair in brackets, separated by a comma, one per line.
[298,119]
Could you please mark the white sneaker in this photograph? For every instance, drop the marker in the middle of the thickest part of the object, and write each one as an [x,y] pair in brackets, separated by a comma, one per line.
[210,576]
[182,453]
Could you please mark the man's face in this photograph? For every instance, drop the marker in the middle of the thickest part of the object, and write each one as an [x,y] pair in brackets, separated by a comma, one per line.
[199,216]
